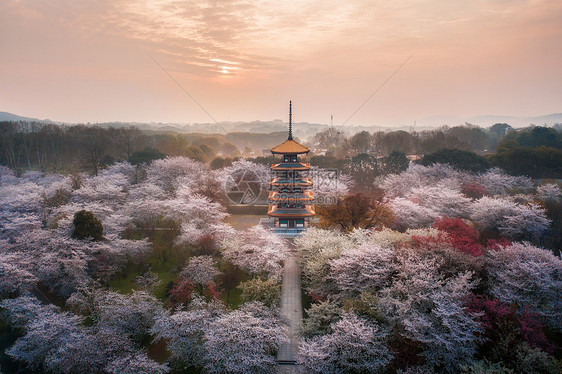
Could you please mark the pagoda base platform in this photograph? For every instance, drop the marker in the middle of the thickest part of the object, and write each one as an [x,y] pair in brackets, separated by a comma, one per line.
[284,232]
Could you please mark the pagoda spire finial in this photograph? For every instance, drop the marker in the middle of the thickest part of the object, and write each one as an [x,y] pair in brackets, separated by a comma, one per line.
[290,120]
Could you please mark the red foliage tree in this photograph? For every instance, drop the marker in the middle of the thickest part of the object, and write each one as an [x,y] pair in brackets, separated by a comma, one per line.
[407,352]
[212,291]
[501,322]
[462,236]
[181,292]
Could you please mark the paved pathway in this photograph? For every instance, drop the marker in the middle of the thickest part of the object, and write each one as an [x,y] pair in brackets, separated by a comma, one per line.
[291,307]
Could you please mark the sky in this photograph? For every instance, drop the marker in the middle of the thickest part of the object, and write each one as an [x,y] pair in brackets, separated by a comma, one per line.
[109,60]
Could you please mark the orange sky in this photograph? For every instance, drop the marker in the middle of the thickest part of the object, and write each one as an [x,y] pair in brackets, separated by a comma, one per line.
[85,60]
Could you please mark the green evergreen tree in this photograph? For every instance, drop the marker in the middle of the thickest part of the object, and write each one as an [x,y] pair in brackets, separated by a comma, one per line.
[86,225]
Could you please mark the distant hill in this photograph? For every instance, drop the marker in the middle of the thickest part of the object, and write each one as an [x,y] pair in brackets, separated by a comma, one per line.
[489,120]
[5,116]
[306,130]
[486,121]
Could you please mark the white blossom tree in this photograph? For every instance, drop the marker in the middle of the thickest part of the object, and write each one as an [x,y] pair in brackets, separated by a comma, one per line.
[367,267]
[496,182]
[444,201]
[130,315]
[408,214]
[488,212]
[184,331]
[429,309]
[513,220]
[244,340]
[353,346]
[316,249]
[528,276]
[329,185]
[198,216]
[527,222]
[549,192]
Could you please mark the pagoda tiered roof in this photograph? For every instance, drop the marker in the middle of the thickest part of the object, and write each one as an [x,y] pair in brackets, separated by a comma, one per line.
[291,196]
[281,182]
[307,211]
[290,147]
[290,166]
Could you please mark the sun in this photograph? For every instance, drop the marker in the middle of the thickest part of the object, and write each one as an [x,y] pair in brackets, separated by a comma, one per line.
[224,69]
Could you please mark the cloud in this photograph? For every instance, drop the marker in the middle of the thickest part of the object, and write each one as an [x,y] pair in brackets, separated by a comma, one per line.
[327,53]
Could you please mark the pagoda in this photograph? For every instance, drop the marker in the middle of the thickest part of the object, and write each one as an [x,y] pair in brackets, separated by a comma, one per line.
[291,198]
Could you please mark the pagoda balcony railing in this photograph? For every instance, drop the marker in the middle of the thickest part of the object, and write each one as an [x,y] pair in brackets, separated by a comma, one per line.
[277,196]
[290,182]
[291,166]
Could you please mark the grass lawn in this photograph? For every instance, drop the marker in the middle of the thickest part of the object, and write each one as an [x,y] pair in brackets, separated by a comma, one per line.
[163,262]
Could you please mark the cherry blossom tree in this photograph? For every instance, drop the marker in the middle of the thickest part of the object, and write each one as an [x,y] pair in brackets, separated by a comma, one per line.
[353,346]
[329,185]
[429,309]
[244,340]
[527,222]
[549,192]
[184,332]
[368,267]
[45,330]
[172,172]
[442,200]
[418,176]
[316,248]
[256,250]
[243,169]
[197,215]
[14,278]
[200,270]
[408,214]
[496,182]
[59,342]
[489,212]
[130,315]
[527,275]
[513,220]
[136,363]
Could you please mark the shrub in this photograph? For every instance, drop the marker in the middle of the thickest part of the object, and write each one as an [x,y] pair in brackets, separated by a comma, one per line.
[86,225]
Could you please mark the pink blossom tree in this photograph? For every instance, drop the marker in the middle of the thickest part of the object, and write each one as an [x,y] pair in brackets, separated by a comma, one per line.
[256,250]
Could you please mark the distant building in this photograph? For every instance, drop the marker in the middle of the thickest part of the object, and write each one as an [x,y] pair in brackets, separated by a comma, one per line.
[291,200]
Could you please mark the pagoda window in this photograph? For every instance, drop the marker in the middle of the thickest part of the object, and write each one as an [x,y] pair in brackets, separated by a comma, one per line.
[300,223]
[283,223]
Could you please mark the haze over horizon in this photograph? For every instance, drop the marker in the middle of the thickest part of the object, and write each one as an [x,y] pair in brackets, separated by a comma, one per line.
[89,61]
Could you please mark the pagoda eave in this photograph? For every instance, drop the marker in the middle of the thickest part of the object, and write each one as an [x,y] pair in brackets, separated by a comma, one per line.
[275,211]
